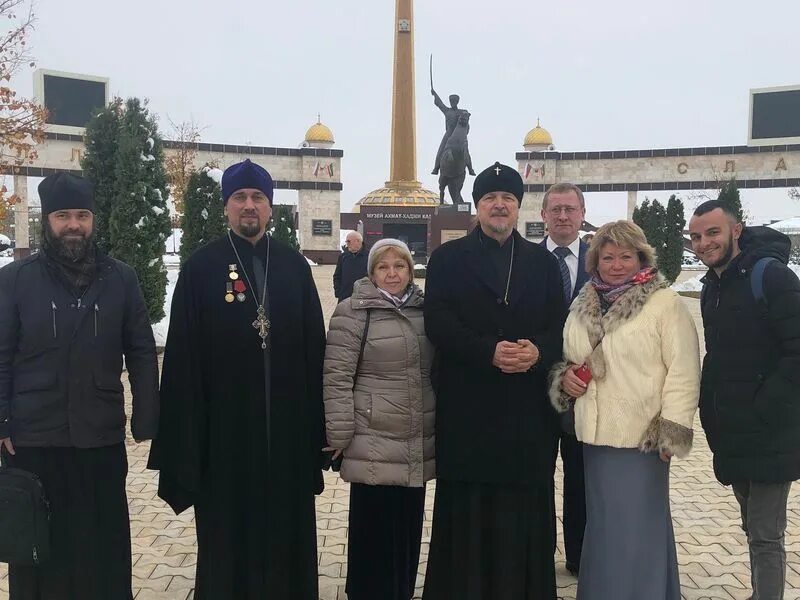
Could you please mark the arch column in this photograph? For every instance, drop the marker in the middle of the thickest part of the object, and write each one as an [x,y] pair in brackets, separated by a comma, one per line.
[21,231]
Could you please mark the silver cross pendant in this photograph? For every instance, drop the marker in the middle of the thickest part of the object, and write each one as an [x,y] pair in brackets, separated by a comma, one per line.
[262,325]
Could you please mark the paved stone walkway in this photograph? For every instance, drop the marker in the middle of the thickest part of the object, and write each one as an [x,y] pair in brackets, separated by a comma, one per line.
[711,546]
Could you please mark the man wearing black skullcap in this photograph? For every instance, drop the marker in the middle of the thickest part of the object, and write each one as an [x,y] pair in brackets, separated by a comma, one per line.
[242,418]
[68,315]
[494,309]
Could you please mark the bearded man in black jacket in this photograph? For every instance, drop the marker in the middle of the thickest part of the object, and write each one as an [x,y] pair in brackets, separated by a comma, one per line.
[68,314]
[749,402]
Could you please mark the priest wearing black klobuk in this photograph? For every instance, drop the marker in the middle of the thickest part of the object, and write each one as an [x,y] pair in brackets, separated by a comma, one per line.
[242,416]
[494,309]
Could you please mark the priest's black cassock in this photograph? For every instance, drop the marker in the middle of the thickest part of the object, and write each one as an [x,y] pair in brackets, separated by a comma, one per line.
[492,535]
[242,428]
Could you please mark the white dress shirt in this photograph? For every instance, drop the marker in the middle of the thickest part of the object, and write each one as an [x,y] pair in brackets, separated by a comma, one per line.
[571,259]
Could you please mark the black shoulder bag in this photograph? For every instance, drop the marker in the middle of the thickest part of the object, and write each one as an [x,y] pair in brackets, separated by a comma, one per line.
[24,518]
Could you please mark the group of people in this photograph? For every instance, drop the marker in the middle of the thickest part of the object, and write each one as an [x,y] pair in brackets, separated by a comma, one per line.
[514,351]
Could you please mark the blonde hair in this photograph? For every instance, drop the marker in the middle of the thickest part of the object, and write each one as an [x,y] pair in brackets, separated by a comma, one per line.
[564,188]
[377,254]
[624,234]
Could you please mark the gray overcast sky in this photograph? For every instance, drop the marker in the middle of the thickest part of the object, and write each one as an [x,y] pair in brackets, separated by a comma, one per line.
[618,74]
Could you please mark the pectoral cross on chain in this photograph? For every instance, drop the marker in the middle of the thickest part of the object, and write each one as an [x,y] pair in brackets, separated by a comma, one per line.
[262,325]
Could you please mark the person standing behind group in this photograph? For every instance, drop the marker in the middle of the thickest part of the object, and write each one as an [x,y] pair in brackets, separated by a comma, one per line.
[633,340]
[350,266]
[379,411]
[494,309]
[750,400]
[563,211]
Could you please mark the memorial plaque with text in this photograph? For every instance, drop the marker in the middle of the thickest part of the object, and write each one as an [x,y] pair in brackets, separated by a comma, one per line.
[321,227]
[534,229]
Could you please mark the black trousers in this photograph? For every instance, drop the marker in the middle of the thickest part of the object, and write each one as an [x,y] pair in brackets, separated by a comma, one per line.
[90,536]
[574,506]
[383,541]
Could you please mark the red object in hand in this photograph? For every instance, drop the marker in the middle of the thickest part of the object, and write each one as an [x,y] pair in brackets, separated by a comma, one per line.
[584,374]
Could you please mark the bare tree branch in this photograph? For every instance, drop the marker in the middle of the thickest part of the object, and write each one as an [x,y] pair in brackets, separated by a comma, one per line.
[180,162]
[21,120]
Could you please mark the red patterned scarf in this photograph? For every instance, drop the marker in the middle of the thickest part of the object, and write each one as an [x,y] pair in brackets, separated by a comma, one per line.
[610,293]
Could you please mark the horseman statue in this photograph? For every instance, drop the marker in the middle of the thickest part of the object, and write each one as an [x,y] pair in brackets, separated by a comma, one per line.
[452,158]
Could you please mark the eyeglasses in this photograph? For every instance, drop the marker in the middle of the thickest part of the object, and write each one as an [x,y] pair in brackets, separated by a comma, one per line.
[567,210]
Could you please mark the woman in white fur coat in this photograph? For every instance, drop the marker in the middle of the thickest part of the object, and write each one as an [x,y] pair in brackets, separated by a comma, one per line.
[634,403]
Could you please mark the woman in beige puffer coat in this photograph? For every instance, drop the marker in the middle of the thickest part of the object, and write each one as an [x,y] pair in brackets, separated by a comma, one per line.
[380,413]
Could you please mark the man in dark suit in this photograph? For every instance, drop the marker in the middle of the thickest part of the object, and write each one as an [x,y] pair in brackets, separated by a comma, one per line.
[564,210]
[350,267]
[495,312]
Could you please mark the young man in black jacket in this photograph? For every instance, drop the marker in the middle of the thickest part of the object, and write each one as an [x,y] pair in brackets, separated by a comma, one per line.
[749,403]
[350,267]
[67,316]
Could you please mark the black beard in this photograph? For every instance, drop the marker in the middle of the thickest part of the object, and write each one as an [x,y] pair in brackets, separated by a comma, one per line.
[726,257]
[74,250]
[250,229]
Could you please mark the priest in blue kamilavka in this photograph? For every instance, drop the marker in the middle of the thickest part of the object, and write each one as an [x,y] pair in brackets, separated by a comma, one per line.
[241,431]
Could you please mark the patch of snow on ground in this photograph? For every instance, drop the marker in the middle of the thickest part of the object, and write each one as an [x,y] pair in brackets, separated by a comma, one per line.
[6,260]
[690,285]
[173,243]
[310,262]
[160,329]
[695,285]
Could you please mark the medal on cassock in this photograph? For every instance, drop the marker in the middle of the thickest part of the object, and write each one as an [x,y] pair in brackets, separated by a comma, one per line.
[229,292]
[261,324]
[240,288]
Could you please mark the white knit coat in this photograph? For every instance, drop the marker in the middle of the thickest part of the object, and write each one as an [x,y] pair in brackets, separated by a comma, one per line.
[645,359]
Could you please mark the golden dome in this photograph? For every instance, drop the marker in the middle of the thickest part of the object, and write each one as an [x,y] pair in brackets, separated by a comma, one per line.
[319,133]
[406,195]
[538,136]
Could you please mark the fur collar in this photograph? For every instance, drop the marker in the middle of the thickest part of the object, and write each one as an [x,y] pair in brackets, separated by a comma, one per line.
[587,311]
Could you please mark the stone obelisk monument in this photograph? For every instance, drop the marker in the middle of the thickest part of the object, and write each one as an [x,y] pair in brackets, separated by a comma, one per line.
[404,119]
[403,189]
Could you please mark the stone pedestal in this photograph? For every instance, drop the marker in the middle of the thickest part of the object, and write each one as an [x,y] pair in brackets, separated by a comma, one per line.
[530,224]
[318,225]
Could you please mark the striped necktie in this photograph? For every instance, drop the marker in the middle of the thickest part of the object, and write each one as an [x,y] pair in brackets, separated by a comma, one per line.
[562,252]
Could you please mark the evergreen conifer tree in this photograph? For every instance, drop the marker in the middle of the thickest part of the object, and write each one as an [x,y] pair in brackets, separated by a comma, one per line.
[283,225]
[671,257]
[729,194]
[139,220]
[99,164]
[203,218]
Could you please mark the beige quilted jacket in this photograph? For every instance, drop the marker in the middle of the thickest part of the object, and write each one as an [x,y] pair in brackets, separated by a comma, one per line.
[385,423]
